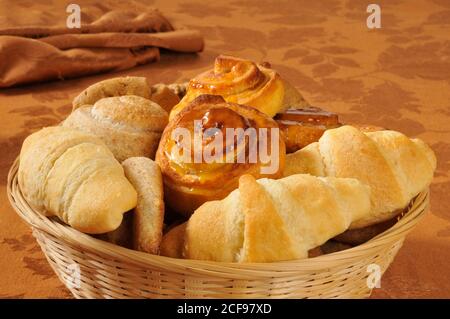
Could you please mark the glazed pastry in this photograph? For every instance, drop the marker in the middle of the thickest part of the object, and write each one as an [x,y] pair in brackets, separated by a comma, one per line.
[190,178]
[148,217]
[395,167]
[130,85]
[238,81]
[131,126]
[304,126]
[74,176]
[273,220]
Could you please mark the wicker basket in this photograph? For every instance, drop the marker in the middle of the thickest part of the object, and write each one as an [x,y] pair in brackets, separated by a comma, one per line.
[110,271]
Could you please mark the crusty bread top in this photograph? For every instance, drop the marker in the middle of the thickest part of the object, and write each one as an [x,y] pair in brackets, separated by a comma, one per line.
[131,110]
[130,85]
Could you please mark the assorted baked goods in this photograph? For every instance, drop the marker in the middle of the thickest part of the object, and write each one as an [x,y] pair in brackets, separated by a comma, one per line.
[129,125]
[74,176]
[254,172]
[190,179]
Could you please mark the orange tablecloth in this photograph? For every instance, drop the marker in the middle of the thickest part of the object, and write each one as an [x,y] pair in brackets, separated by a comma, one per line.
[397,77]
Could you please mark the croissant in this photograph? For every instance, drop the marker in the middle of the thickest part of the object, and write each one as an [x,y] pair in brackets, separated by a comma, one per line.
[395,167]
[190,179]
[130,125]
[273,220]
[130,85]
[238,81]
[73,175]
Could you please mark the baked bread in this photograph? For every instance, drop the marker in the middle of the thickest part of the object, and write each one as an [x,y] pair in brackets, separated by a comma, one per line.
[73,175]
[293,99]
[303,126]
[130,125]
[274,220]
[238,81]
[190,179]
[145,176]
[130,85]
[172,244]
[395,167]
[121,236]
[164,96]
[358,236]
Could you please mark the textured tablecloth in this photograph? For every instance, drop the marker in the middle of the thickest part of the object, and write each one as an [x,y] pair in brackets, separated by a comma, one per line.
[397,77]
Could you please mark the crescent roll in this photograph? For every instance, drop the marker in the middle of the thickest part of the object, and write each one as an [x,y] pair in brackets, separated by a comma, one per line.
[73,175]
[270,220]
[395,167]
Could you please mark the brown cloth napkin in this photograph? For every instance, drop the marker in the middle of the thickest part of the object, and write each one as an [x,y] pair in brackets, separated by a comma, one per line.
[116,40]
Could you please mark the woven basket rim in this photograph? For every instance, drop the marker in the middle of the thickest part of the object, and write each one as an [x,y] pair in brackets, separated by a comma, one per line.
[416,211]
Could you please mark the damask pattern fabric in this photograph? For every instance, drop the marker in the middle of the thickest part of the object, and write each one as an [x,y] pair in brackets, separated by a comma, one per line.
[396,77]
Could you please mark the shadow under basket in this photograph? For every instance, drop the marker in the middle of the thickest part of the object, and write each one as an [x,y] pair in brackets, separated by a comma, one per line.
[92,268]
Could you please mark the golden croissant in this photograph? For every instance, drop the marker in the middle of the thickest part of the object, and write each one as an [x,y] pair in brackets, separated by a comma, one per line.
[272,220]
[395,167]
[73,175]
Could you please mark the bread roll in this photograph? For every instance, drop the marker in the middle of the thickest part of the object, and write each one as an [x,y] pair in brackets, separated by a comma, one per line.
[130,85]
[164,96]
[395,167]
[73,175]
[123,235]
[145,176]
[273,220]
[129,125]
[172,244]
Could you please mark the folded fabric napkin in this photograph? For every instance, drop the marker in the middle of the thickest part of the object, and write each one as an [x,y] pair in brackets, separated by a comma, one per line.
[108,40]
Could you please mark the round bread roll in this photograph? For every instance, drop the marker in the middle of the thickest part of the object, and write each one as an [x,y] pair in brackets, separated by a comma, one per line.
[130,125]
[129,85]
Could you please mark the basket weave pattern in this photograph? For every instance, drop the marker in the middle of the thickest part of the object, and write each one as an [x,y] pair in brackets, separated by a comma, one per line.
[110,271]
